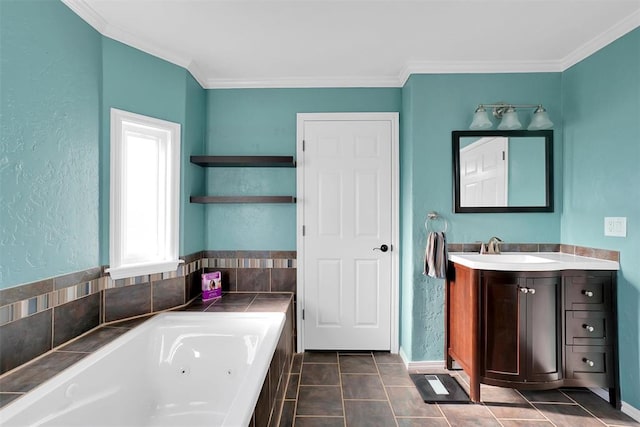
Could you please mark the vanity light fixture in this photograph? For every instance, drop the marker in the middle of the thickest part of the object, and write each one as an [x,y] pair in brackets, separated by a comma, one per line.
[509,117]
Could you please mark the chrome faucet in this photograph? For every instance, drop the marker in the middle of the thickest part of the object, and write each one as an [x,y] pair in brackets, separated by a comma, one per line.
[493,247]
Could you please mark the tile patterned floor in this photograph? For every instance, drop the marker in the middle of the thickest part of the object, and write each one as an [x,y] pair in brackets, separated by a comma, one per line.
[373,389]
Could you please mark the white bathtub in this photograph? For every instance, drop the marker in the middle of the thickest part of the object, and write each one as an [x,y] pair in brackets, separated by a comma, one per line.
[176,369]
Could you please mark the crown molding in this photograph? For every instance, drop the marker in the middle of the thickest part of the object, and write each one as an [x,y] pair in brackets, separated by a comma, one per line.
[623,27]
[303,82]
[477,67]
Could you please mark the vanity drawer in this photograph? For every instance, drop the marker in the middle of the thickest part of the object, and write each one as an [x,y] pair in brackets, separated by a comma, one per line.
[592,364]
[588,292]
[587,328]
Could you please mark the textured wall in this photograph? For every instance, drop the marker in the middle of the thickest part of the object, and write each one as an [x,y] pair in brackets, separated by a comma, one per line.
[263,122]
[193,177]
[601,97]
[141,83]
[49,127]
[438,105]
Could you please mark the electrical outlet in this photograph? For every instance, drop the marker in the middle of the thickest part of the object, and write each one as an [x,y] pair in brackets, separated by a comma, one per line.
[615,226]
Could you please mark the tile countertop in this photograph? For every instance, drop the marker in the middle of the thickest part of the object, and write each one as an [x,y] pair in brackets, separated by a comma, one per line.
[20,381]
[531,261]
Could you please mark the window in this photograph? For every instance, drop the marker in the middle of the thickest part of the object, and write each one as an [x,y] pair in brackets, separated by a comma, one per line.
[144,197]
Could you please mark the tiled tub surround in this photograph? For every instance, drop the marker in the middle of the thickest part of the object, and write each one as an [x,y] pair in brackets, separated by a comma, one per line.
[267,411]
[38,317]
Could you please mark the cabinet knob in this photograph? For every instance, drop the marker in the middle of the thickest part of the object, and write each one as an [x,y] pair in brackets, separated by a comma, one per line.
[587,293]
[588,327]
[588,362]
[524,290]
[532,291]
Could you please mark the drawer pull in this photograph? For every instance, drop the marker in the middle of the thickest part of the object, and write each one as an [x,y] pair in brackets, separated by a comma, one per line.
[587,293]
[588,327]
[588,362]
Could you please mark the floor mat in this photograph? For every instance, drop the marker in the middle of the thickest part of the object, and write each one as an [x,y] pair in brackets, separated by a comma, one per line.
[439,388]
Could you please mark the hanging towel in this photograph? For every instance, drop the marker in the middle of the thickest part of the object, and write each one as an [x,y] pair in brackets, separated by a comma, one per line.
[435,258]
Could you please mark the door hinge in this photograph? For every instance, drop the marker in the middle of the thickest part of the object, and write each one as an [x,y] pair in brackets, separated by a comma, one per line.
[303,230]
[303,145]
[303,314]
[503,155]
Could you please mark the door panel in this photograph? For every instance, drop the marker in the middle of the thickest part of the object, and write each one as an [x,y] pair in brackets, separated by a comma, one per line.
[347,213]
[502,328]
[542,330]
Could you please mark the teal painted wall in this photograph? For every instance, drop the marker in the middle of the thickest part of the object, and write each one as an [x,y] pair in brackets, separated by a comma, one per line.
[50,81]
[439,104]
[192,237]
[141,83]
[407,118]
[601,109]
[263,122]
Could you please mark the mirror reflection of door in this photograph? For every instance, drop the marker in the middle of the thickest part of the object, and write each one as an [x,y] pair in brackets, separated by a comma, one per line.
[484,172]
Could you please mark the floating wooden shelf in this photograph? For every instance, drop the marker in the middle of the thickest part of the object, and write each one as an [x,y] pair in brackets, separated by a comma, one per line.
[242,199]
[245,161]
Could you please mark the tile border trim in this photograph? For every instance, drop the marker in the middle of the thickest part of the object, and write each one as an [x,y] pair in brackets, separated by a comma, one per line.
[26,307]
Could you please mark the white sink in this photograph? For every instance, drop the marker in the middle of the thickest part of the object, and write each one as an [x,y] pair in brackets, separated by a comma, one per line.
[507,258]
[536,261]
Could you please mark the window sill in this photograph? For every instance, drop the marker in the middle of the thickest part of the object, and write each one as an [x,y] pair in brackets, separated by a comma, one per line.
[133,270]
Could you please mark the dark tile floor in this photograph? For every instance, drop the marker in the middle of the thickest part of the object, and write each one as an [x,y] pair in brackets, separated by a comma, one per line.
[374,390]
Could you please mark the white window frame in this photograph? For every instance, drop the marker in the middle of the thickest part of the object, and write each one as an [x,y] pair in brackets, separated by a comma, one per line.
[169,133]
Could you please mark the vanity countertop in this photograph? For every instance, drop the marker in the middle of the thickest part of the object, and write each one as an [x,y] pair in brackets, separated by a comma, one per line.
[531,261]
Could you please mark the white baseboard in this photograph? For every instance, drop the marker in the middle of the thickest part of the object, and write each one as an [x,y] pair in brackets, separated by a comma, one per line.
[632,411]
[421,364]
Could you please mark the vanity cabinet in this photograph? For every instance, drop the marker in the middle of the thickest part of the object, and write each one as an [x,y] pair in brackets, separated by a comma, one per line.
[532,330]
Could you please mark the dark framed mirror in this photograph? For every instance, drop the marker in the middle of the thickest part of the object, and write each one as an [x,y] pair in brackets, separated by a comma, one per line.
[502,171]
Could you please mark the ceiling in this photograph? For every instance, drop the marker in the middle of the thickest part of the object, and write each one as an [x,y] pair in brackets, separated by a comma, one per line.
[359,43]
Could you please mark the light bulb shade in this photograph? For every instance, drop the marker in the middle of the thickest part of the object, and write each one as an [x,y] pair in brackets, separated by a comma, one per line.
[540,120]
[480,120]
[510,120]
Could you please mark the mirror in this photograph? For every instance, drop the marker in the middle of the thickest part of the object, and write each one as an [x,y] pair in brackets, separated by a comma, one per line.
[503,171]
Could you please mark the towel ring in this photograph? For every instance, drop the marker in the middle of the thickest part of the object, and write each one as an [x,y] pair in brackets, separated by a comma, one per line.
[432,219]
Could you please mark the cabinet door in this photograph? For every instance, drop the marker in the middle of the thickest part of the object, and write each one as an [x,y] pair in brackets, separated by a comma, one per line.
[502,327]
[542,339]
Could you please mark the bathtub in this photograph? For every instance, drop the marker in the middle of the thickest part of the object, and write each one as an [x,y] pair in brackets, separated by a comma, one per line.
[176,369]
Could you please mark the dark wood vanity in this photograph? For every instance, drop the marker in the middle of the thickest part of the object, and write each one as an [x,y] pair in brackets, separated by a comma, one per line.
[533,330]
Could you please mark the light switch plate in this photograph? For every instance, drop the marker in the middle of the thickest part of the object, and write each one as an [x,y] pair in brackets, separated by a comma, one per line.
[615,226]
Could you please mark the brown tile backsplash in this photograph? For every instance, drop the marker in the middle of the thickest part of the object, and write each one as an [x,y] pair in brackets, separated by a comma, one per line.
[67,280]
[56,310]
[128,301]
[168,293]
[18,293]
[253,279]
[25,340]
[75,318]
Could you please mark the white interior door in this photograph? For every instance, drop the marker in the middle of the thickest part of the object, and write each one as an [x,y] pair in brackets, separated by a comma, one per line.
[483,173]
[347,212]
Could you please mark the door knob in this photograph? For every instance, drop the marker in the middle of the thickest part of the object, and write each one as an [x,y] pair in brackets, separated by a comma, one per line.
[532,291]
[382,248]
[588,294]
[588,328]
[524,290]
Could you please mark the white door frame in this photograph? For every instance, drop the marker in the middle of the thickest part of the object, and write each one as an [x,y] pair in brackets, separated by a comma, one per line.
[395,204]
